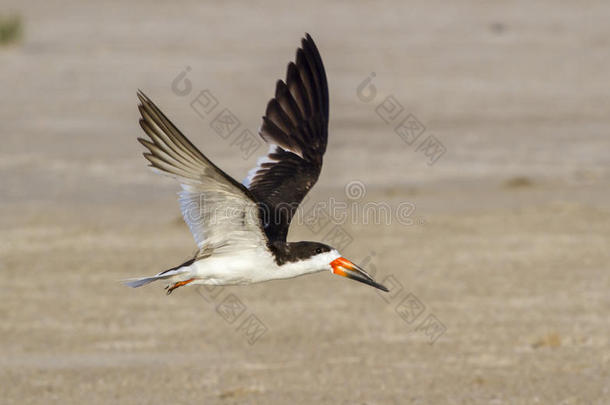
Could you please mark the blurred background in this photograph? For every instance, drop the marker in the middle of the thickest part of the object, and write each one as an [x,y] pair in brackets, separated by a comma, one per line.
[489,119]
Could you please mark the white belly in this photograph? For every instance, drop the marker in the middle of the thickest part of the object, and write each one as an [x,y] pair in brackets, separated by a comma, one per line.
[246,268]
[250,266]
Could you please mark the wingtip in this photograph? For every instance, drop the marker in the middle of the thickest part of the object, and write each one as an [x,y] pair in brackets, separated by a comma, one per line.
[144,142]
[308,41]
[142,97]
[148,156]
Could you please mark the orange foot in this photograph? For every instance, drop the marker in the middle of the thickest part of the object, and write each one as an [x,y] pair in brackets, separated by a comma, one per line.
[178,284]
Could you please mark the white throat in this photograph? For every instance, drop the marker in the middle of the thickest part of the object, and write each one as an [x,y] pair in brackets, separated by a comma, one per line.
[314,264]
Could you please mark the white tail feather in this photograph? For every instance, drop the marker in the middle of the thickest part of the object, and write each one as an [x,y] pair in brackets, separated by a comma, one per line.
[138,282]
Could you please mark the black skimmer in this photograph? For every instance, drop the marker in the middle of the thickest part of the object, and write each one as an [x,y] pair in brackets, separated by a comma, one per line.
[241,229]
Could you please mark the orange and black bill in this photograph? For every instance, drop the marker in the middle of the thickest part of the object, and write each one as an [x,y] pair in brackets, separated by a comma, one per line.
[345,268]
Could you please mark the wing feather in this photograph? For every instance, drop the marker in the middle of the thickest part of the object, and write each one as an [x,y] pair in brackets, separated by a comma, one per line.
[220,212]
[296,127]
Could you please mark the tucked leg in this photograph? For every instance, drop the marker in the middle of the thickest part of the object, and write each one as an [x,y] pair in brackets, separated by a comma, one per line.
[178,284]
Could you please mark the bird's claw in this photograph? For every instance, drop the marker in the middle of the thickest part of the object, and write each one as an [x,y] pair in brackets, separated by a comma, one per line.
[176,285]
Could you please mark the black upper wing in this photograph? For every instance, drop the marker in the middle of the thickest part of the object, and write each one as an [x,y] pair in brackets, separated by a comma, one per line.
[296,127]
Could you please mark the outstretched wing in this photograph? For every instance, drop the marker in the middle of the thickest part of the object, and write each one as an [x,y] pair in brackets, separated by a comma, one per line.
[219,211]
[296,127]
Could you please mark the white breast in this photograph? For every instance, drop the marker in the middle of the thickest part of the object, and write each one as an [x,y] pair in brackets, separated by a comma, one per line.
[253,266]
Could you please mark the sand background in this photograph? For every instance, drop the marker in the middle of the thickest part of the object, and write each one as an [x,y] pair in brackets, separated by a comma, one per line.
[508,248]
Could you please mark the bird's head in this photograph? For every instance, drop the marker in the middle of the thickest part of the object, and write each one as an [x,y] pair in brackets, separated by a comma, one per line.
[323,257]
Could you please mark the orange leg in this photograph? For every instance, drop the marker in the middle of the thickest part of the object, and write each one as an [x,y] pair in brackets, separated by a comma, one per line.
[178,284]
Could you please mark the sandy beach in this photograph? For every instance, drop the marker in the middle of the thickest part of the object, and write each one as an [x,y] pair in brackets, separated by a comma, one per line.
[496,242]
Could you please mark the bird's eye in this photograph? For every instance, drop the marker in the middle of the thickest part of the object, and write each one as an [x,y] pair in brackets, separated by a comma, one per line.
[318,250]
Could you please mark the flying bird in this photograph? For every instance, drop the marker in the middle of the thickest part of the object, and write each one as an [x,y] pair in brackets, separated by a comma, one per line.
[240,228]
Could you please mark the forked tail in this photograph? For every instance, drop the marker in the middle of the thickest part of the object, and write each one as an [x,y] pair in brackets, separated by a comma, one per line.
[174,271]
[139,282]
